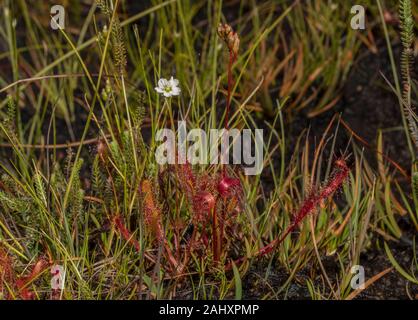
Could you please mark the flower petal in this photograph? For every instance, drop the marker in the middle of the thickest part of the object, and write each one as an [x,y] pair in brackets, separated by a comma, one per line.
[162,83]
[174,82]
[175,91]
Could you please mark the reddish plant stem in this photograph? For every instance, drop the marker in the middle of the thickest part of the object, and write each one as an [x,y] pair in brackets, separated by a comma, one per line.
[190,246]
[176,267]
[230,84]
[221,226]
[215,241]
[218,235]
[231,61]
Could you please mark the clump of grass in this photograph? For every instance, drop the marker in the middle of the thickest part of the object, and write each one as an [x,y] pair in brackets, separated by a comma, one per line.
[310,204]
[313,200]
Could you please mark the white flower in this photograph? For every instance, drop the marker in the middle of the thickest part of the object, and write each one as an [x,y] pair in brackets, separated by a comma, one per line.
[168,88]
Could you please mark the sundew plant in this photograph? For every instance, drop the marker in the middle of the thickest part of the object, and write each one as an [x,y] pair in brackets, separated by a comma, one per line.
[185,149]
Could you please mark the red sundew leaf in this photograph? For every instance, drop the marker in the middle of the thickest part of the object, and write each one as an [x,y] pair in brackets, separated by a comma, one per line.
[23,282]
[125,233]
[152,211]
[204,202]
[340,174]
[228,186]
[187,179]
[25,293]
[200,189]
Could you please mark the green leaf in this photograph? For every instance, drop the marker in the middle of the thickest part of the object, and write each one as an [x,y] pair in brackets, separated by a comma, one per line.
[398,267]
[238,284]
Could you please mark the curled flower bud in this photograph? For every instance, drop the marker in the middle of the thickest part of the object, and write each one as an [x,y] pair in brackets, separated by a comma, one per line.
[205,201]
[231,38]
[227,186]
